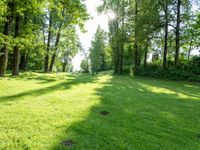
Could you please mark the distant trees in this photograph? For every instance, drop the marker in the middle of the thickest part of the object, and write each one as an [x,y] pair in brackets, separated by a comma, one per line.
[97,51]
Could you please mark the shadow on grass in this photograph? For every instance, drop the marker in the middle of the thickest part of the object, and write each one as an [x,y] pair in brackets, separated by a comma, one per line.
[64,85]
[138,118]
[41,77]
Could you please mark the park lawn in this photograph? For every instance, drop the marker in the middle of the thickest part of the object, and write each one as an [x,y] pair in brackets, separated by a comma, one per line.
[64,111]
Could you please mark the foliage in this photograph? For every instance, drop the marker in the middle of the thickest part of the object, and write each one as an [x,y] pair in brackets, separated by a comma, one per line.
[187,71]
[97,51]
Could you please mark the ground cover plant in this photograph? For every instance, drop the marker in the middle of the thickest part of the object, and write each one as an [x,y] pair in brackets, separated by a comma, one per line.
[65,111]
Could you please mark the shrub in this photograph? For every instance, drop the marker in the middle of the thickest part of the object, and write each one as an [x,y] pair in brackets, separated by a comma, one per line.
[189,70]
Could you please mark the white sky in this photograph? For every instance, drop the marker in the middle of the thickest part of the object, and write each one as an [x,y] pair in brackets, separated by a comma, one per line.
[91,27]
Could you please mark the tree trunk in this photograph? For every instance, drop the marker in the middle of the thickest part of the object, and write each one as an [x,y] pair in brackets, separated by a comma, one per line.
[23,61]
[145,57]
[178,34]
[122,40]
[166,39]
[46,62]
[190,48]
[116,47]
[64,67]
[7,30]
[52,62]
[16,54]
[136,53]
[56,48]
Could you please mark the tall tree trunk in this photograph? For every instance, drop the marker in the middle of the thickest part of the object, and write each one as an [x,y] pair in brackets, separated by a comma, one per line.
[166,38]
[23,61]
[116,46]
[6,32]
[16,54]
[46,62]
[56,48]
[178,33]
[122,40]
[190,48]
[136,53]
[145,56]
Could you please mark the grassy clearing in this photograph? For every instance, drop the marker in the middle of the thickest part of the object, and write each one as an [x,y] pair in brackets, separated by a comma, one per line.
[41,111]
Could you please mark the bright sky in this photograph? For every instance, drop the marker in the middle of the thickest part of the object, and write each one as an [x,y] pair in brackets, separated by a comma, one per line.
[91,27]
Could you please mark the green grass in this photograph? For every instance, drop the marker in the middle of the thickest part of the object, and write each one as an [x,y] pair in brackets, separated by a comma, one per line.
[39,111]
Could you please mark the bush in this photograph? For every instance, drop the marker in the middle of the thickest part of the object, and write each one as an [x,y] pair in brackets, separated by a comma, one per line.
[189,70]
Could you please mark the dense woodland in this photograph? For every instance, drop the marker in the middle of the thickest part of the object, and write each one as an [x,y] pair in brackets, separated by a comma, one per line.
[41,35]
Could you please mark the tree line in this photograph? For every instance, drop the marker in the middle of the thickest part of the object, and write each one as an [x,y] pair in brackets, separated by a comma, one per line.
[39,34]
[166,30]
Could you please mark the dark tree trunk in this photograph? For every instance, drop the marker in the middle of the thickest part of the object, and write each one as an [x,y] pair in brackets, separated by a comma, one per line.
[136,53]
[64,67]
[116,47]
[16,54]
[52,62]
[145,57]
[166,39]
[178,33]
[6,32]
[121,47]
[190,48]
[56,48]
[23,61]
[46,62]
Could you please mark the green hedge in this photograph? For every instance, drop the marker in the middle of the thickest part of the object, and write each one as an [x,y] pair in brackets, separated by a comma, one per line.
[186,71]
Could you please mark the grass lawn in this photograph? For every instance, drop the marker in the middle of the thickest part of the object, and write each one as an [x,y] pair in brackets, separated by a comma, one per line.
[64,111]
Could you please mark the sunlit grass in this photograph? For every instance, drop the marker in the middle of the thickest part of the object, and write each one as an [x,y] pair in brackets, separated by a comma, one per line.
[40,111]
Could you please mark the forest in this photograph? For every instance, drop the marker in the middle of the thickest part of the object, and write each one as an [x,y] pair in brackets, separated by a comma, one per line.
[136,86]
[146,38]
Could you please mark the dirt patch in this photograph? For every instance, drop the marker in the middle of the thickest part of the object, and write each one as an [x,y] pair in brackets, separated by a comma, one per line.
[68,143]
[104,113]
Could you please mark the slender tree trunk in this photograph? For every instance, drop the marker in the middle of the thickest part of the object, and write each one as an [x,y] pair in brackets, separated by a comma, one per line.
[122,41]
[6,32]
[136,53]
[178,34]
[46,62]
[145,56]
[190,48]
[116,47]
[166,39]
[56,48]
[16,54]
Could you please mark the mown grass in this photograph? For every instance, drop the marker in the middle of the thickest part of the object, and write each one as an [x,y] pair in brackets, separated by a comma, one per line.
[41,111]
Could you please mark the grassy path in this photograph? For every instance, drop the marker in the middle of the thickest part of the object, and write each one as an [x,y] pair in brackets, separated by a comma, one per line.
[40,111]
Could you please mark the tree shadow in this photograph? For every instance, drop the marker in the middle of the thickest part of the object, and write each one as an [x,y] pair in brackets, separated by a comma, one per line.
[139,118]
[41,77]
[66,84]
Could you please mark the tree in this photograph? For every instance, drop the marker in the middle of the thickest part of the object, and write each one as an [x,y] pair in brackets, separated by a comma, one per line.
[97,53]
[69,46]
[178,21]
[6,33]
[76,15]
